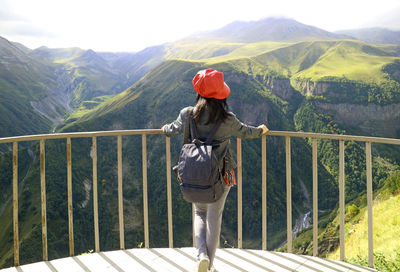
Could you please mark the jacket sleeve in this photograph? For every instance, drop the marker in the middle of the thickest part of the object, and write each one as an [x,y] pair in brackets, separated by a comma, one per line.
[177,126]
[240,130]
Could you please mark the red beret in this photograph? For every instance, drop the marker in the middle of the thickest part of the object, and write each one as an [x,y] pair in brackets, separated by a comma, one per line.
[210,83]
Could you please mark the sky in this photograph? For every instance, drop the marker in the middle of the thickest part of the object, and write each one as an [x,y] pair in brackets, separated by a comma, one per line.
[132,25]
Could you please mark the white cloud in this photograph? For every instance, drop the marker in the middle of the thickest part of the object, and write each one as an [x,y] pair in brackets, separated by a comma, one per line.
[120,25]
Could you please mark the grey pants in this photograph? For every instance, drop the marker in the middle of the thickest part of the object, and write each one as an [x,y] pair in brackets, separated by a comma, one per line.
[207,225]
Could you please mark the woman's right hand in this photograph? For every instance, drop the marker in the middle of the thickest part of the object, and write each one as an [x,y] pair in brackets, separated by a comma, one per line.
[264,129]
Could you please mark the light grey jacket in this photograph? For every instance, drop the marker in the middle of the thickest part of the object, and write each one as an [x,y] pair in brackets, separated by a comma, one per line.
[221,143]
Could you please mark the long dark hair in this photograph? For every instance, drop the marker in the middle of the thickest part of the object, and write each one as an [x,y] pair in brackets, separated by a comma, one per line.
[218,109]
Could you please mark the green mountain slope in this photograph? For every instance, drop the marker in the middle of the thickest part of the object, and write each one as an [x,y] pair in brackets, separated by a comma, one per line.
[39,88]
[385,228]
[26,85]
[88,74]
[353,60]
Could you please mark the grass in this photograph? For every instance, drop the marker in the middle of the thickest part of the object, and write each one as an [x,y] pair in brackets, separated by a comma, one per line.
[6,238]
[87,107]
[63,55]
[198,51]
[350,59]
[386,228]
[249,50]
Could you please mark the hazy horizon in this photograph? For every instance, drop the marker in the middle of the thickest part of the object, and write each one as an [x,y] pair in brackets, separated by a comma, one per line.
[130,26]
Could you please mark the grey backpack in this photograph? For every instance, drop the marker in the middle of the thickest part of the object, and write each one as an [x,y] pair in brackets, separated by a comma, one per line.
[199,176]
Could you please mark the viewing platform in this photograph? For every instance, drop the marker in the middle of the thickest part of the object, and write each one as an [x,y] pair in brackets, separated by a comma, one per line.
[184,259]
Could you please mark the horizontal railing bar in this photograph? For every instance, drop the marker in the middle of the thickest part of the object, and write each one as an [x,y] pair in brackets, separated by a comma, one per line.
[87,134]
[335,137]
[159,131]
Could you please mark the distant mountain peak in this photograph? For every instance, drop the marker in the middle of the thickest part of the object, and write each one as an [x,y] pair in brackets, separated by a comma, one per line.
[378,35]
[268,29]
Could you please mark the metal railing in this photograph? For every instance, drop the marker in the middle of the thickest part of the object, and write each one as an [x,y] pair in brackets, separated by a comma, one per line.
[143,133]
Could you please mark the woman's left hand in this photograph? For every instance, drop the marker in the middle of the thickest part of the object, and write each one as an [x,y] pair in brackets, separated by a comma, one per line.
[264,129]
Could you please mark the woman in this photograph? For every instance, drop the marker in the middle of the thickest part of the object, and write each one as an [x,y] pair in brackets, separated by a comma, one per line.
[211,106]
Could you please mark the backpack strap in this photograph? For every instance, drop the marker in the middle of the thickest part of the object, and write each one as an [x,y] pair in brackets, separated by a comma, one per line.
[193,129]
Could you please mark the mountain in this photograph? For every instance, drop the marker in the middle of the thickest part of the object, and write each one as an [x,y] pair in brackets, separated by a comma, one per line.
[269,29]
[40,88]
[135,66]
[307,86]
[374,35]
[27,105]
[90,74]
[84,75]
[344,73]
[87,74]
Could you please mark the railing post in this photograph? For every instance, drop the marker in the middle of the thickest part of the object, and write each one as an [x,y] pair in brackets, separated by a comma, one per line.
[193,230]
[95,196]
[70,208]
[145,201]
[169,191]
[315,197]
[341,198]
[120,195]
[43,197]
[239,190]
[15,203]
[264,190]
[288,195]
[368,158]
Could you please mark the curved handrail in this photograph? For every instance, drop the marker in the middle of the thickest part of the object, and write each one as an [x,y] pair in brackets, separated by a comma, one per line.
[143,132]
[335,137]
[87,134]
[159,131]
